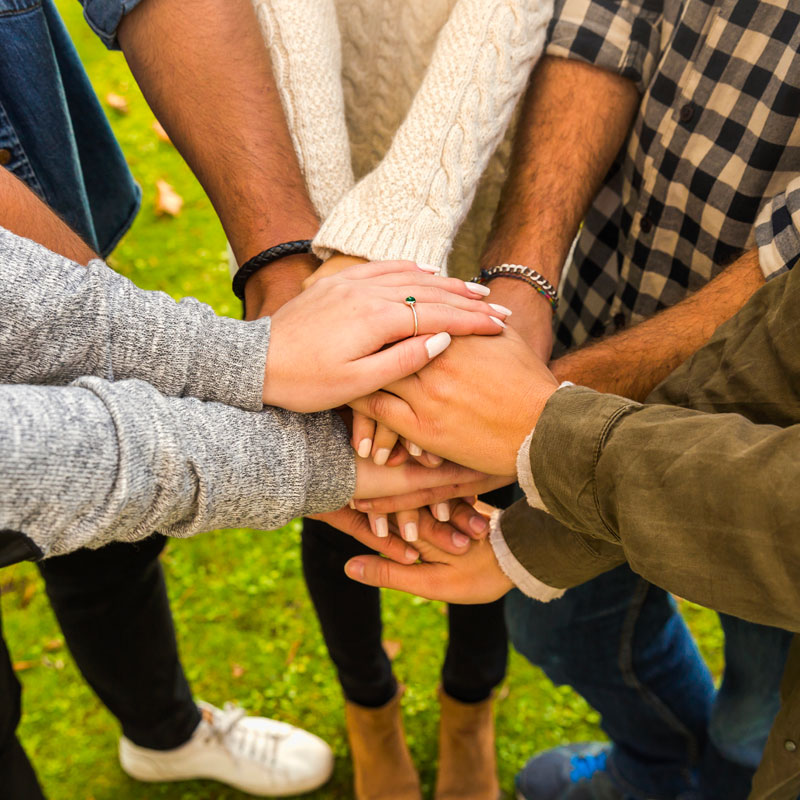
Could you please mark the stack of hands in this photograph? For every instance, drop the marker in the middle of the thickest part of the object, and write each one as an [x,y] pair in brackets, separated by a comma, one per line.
[434,420]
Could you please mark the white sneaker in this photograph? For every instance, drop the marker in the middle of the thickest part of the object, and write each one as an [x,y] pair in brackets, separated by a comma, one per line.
[261,756]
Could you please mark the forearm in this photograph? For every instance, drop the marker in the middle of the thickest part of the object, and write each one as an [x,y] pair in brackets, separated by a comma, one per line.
[23,213]
[206,72]
[97,461]
[632,363]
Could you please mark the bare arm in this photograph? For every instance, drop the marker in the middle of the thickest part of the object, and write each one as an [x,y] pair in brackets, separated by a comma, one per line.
[574,121]
[206,72]
[634,362]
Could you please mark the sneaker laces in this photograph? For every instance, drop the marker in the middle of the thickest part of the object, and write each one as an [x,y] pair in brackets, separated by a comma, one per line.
[584,767]
[244,741]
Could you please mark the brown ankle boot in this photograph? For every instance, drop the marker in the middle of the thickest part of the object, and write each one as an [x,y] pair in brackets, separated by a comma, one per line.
[382,765]
[467,763]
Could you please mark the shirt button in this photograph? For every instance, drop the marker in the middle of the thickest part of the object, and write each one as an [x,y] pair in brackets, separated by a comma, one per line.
[790,745]
[5,157]
[687,112]
[646,225]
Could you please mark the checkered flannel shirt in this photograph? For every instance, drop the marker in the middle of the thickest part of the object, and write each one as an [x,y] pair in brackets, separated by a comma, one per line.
[712,165]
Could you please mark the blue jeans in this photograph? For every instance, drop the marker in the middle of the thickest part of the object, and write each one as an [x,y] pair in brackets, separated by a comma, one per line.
[620,643]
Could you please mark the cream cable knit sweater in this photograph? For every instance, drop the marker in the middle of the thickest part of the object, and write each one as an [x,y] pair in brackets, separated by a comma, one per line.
[426,90]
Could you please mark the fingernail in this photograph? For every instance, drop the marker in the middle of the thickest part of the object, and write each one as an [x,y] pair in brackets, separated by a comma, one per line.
[411,534]
[435,460]
[355,569]
[428,268]
[478,288]
[501,309]
[442,512]
[411,554]
[498,321]
[362,505]
[352,504]
[478,523]
[382,456]
[381,527]
[414,449]
[364,448]
[437,344]
[460,539]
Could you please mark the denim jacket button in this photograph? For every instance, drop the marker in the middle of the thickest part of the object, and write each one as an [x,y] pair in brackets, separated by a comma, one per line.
[5,157]
[790,745]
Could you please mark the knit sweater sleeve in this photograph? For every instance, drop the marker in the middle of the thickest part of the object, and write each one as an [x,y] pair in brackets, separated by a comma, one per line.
[413,203]
[96,461]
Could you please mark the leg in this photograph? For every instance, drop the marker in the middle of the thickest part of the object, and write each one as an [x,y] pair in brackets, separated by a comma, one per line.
[112,606]
[16,773]
[620,643]
[745,707]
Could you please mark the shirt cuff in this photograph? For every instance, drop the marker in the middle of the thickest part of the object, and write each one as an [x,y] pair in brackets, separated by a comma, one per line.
[526,582]
[778,232]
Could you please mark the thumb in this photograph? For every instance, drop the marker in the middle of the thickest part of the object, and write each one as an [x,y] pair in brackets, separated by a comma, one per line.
[377,571]
[402,359]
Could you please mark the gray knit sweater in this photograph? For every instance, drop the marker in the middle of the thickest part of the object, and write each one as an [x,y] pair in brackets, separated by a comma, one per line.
[161,424]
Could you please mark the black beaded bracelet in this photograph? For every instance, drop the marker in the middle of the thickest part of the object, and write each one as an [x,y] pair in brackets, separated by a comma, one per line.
[253,265]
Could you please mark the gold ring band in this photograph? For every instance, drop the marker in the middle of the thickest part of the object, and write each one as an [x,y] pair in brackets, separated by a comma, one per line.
[411,302]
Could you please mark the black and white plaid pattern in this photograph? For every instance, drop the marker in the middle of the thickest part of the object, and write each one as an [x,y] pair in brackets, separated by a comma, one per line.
[712,166]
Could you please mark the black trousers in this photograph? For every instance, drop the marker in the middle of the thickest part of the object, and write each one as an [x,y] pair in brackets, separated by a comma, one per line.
[113,610]
[350,617]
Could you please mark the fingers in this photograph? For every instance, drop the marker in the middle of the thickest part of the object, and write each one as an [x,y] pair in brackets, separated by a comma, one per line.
[383,407]
[393,278]
[470,522]
[363,434]
[383,269]
[375,571]
[379,525]
[407,522]
[383,444]
[445,316]
[443,536]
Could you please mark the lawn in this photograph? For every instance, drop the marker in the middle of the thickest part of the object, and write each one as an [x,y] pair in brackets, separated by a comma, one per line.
[244,620]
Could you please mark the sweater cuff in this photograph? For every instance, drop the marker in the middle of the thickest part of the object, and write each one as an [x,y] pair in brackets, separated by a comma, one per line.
[526,582]
[331,463]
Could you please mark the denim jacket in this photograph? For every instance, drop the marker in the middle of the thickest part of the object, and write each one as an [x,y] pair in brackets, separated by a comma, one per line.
[53,132]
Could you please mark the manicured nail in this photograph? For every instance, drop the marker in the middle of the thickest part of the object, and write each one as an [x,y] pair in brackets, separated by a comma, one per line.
[352,504]
[365,448]
[478,288]
[381,527]
[498,321]
[411,554]
[501,309]
[437,344]
[459,539]
[428,268]
[414,449]
[410,533]
[355,569]
[382,456]
[478,523]
[442,512]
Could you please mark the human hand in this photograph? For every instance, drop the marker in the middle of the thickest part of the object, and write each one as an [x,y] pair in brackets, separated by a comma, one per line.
[336,263]
[326,345]
[269,289]
[474,405]
[471,577]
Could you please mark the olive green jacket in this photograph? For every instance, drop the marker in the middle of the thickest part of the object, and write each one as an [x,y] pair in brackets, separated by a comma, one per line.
[698,490]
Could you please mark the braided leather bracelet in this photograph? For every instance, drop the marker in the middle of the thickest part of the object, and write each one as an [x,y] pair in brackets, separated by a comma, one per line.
[253,265]
[525,274]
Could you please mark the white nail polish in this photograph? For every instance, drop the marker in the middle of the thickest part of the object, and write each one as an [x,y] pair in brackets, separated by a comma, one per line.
[381,527]
[382,456]
[414,449]
[364,448]
[501,309]
[498,321]
[352,504]
[442,512]
[478,288]
[437,344]
[429,268]
[411,533]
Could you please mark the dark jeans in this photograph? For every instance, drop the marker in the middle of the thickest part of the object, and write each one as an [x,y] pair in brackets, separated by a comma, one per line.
[620,643]
[350,617]
[113,609]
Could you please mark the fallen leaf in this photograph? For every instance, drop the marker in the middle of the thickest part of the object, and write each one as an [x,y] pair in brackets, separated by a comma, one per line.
[53,644]
[117,102]
[27,594]
[392,648]
[21,666]
[237,670]
[160,132]
[293,651]
[168,201]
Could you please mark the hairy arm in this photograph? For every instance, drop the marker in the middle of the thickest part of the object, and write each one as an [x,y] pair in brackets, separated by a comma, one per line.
[206,72]
[575,119]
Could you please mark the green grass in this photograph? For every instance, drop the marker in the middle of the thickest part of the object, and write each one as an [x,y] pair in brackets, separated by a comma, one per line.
[238,596]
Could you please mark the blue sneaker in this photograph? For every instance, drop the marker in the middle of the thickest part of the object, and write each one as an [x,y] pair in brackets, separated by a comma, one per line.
[572,772]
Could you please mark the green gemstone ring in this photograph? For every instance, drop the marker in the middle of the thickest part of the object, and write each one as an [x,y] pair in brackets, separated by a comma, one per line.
[411,302]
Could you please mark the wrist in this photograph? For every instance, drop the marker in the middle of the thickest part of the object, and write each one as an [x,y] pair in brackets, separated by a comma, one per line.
[276,284]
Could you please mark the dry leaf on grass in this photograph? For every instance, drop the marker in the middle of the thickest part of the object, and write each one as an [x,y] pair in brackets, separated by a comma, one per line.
[392,648]
[295,646]
[21,666]
[53,645]
[168,201]
[160,132]
[118,102]
[237,670]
